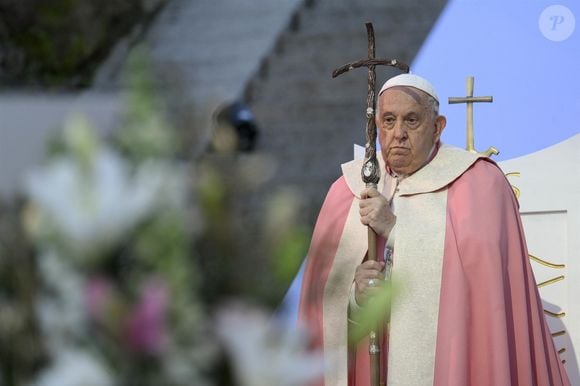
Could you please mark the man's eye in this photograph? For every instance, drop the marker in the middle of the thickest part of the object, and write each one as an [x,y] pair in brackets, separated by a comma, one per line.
[412,121]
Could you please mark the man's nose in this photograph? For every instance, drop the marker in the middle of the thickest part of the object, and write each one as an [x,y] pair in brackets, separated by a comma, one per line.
[399,130]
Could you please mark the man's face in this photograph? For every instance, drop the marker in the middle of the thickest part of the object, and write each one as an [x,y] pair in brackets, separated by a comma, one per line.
[408,128]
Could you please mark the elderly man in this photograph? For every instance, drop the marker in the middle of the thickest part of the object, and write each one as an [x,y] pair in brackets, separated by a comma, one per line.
[468,311]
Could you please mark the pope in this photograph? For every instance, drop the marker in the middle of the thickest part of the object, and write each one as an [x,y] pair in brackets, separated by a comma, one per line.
[468,311]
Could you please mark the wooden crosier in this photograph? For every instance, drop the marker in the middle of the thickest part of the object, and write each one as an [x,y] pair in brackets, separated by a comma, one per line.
[370,172]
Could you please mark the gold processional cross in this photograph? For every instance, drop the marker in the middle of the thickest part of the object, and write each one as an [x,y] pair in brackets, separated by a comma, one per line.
[470,100]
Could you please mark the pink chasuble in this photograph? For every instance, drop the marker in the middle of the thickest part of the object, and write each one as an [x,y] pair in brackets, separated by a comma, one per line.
[491,328]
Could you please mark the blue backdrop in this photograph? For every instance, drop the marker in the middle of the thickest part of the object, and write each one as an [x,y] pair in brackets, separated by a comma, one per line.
[527,59]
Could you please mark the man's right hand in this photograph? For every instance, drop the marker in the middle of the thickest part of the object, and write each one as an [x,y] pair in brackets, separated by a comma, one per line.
[366,271]
[375,211]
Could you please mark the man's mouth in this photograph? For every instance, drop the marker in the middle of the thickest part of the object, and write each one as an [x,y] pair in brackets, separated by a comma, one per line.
[398,149]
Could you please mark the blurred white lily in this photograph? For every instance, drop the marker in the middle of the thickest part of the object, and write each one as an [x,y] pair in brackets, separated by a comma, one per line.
[90,200]
[264,354]
[74,368]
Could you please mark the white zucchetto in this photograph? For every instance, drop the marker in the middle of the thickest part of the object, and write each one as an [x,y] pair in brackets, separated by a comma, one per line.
[410,80]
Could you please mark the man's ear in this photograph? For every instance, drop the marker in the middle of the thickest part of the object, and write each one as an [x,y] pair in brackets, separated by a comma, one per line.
[440,123]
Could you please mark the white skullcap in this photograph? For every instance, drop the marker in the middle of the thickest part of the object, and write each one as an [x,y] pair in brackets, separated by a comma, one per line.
[410,80]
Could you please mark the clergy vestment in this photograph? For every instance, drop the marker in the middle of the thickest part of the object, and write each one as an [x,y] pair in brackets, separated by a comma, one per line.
[468,311]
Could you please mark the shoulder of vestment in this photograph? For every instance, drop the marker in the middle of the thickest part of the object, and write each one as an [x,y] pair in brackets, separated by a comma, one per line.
[448,165]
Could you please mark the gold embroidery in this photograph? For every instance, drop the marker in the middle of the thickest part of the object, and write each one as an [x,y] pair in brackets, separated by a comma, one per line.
[555,315]
[548,264]
[545,263]
[516,190]
[551,281]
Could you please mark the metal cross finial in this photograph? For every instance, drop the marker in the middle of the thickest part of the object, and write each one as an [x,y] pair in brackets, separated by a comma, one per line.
[470,100]
[370,172]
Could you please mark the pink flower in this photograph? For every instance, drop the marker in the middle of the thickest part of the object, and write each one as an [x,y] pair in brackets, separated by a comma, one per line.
[98,295]
[145,331]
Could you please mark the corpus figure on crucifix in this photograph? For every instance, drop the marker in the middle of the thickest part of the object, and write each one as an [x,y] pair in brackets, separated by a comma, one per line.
[448,231]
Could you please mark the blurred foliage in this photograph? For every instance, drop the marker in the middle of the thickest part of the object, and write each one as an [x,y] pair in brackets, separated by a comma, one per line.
[372,315]
[256,260]
[61,42]
[130,248]
[145,132]
[22,350]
